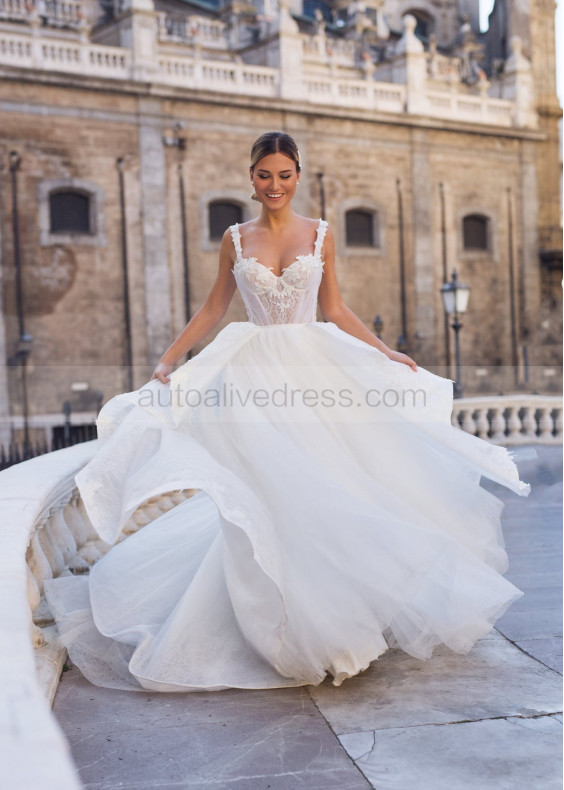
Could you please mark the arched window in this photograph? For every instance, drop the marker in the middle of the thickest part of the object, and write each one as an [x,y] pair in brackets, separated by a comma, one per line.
[70,212]
[361,228]
[222,214]
[475,232]
[425,22]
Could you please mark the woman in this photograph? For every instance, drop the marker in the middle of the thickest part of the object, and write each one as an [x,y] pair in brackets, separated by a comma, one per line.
[338,512]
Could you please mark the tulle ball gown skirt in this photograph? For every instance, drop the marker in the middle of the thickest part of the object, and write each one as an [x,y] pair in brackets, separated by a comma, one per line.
[326,526]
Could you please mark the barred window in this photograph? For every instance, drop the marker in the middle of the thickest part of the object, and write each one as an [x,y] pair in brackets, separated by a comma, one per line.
[221,215]
[361,228]
[69,212]
[475,232]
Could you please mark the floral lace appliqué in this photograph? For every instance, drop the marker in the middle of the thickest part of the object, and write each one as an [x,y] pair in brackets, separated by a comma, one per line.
[290,297]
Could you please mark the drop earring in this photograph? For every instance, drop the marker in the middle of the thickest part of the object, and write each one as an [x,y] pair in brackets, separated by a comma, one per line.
[253,194]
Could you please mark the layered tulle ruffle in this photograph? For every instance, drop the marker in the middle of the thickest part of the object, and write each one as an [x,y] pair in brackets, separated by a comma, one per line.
[326,528]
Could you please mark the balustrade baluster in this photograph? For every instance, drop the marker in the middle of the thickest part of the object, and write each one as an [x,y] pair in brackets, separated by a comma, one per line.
[498,425]
[545,423]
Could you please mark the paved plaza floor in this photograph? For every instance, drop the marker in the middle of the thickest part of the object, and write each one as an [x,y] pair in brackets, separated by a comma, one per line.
[489,719]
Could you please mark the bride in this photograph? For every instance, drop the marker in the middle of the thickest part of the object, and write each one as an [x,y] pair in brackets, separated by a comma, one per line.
[278,236]
[337,512]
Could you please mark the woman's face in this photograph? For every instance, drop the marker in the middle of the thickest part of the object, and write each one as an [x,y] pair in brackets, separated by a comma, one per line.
[275,179]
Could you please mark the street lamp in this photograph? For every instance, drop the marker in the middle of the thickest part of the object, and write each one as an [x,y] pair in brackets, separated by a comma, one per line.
[321,194]
[378,325]
[455,301]
[25,340]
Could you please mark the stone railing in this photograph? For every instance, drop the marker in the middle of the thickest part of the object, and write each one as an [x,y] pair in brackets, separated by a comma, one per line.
[361,94]
[209,33]
[200,74]
[475,109]
[511,419]
[49,54]
[311,70]
[53,13]
[45,532]
[321,49]
[14,10]
[442,68]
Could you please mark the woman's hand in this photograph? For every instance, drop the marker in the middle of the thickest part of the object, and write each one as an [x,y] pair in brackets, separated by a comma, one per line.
[162,372]
[398,356]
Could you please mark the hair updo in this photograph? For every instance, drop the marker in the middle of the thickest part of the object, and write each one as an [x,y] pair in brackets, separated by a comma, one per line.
[274,143]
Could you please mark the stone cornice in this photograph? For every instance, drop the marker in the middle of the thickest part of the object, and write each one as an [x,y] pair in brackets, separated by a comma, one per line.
[136,88]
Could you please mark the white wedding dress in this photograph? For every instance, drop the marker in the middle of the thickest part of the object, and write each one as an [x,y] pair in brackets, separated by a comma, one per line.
[327,526]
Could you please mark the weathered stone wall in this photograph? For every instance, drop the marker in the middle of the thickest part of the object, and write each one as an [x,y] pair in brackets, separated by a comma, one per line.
[74,291]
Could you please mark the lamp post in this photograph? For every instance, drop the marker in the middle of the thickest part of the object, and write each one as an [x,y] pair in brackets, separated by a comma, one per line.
[25,339]
[455,301]
[401,344]
[120,163]
[378,325]
[176,140]
[321,194]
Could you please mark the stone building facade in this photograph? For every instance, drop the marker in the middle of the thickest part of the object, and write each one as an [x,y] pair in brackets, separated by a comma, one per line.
[125,130]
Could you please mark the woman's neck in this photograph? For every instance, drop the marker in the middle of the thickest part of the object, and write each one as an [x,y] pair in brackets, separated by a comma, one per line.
[276,220]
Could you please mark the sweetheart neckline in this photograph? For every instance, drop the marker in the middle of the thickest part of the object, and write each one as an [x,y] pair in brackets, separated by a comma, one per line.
[270,268]
[313,254]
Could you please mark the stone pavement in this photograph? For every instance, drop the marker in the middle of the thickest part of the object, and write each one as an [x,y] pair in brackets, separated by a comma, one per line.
[489,719]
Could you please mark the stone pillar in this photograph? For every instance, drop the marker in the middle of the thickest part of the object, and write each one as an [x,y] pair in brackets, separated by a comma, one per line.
[410,67]
[518,85]
[529,279]
[544,68]
[423,270]
[290,54]
[154,229]
[138,31]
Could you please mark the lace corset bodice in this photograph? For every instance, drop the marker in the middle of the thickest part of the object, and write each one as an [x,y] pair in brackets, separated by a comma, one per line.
[288,299]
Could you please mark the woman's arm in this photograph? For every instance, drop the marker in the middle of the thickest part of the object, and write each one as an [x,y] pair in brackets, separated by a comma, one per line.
[334,309]
[207,317]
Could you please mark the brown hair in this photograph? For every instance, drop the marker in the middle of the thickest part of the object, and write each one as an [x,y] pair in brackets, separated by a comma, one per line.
[274,143]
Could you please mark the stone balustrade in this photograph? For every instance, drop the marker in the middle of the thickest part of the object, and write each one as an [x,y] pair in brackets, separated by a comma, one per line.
[442,68]
[53,13]
[511,419]
[475,109]
[62,55]
[14,10]
[385,97]
[319,70]
[320,49]
[379,96]
[199,73]
[209,33]
[45,532]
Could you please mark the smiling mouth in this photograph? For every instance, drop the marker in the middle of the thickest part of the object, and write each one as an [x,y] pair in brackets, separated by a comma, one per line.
[274,196]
